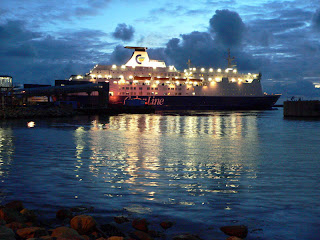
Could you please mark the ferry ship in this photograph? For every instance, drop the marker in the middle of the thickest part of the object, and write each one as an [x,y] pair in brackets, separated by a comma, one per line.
[165,87]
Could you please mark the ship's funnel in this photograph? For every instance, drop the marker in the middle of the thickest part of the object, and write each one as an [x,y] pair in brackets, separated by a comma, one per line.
[140,58]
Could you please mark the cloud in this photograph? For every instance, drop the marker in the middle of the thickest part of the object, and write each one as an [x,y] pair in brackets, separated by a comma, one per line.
[37,57]
[228,28]
[123,32]
[120,55]
[316,20]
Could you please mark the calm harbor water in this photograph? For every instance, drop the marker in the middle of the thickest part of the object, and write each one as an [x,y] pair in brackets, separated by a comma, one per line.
[202,170]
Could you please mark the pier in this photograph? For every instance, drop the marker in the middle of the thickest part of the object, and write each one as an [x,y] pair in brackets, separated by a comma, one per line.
[301,108]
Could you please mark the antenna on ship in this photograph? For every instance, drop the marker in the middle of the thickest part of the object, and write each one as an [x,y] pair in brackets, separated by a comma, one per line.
[189,63]
[230,60]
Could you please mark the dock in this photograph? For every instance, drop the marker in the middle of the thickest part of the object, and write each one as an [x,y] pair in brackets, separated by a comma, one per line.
[301,108]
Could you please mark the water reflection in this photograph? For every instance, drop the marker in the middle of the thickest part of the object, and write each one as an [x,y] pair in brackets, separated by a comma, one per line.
[157,156]
[6,151]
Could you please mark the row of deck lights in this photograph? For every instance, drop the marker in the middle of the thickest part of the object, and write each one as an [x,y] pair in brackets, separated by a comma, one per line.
[211,70]
[122,81]
[124,67]
[131,77]
[190,69]
[217,79]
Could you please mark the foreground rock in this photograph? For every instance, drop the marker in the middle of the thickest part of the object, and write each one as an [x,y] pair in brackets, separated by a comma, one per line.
[16,205]
[63,214]
[140,224]
[233,238]
[11,215]
[142,235]
[111,230]
[16,225]
[240,231]
[83,224]
[32,232]
[29,215]
[65,232]
[6,233]
[166,224]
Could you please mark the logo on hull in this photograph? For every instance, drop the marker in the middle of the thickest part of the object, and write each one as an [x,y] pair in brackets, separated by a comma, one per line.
[151,101]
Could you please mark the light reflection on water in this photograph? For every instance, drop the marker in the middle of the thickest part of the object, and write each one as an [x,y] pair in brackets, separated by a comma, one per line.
[203,170]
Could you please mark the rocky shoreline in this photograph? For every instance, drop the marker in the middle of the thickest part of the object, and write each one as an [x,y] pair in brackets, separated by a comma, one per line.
[20,223]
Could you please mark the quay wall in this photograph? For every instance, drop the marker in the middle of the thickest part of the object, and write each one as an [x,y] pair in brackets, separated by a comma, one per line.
[301,109]
[35,112]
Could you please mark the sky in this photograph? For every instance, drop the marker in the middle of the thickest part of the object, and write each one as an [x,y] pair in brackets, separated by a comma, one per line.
[42,41]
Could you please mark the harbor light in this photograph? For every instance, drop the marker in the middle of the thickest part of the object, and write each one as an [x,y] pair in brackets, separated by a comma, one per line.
[194,69]
[219,69]
[99,76]
[234,70]
[114,66]
[79,77]
[123,66]
[130,77]
[210,70]
[93,75]
[177,82]
[202,69]
[121,76]
[157,82]
[233,79]
[31,124]
[210,79]
[217,79]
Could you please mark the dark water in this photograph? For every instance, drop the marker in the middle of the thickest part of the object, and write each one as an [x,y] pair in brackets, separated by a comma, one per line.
[202,170]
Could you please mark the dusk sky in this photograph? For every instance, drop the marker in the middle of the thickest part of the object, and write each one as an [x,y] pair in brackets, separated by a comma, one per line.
[42,41]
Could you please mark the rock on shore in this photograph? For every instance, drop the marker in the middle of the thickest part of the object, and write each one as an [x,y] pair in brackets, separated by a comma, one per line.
[20,223]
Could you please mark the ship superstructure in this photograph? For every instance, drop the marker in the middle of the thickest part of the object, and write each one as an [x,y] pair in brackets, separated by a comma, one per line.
[166,87]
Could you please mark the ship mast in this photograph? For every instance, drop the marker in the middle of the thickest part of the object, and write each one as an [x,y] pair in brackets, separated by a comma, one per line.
[189,74]
[230,60]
